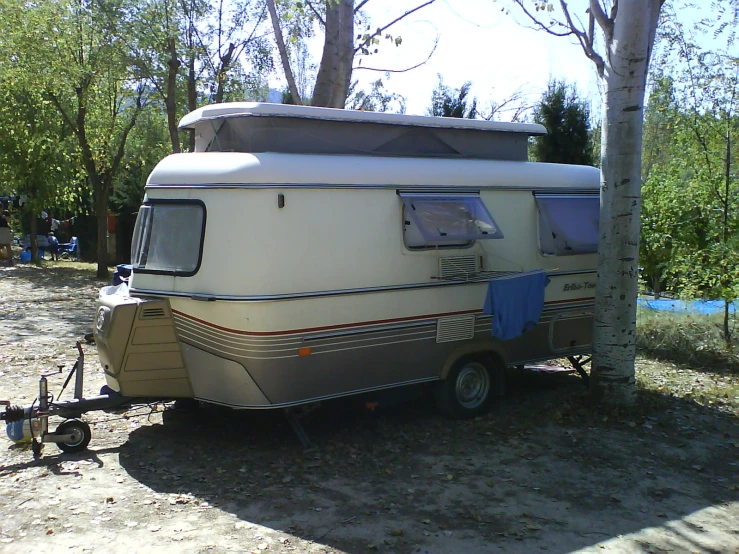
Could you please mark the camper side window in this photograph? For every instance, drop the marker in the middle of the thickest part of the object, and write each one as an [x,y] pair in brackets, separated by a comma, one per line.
[168,238]
[445,220]
[568,224]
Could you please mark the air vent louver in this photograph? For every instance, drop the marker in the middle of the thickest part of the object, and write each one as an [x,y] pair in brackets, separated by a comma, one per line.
[152,313]
[451,329]
[458,266]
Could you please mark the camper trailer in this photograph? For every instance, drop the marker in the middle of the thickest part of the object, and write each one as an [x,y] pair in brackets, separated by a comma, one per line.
[301,254]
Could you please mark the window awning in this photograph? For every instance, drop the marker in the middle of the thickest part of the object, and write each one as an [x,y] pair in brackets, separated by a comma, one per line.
[568,223]
[450,217]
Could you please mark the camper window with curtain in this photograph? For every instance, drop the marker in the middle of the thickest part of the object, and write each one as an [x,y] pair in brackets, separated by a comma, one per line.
[168,238]
[446,220]
[568,223]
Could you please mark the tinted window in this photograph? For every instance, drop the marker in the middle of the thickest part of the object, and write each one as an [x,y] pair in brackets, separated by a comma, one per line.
[568,224]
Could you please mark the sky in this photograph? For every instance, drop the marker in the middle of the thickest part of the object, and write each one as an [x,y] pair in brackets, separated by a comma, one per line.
[477,43]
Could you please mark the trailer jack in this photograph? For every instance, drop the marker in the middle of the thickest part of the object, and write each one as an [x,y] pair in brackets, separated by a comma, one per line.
[578,362]
[73,434]
[294,417]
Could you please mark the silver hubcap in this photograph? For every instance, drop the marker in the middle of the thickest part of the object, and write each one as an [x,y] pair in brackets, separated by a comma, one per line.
[473,386]
[77,436]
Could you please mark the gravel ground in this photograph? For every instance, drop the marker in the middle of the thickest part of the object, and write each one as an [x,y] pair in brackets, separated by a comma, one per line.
[541,472]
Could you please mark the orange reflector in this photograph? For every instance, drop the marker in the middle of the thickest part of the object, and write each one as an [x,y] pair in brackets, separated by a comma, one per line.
[305,351]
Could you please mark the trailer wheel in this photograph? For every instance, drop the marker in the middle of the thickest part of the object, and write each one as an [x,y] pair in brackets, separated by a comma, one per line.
[80,432]
[470,387]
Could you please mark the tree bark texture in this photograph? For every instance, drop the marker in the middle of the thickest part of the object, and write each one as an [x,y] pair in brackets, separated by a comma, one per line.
[284,58]
[173,69]
[625,71]
[101,218]
[345,43]
[329,67]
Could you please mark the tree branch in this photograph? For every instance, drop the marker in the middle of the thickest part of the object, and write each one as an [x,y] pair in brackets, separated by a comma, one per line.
[283,53]
[62,111]
[541,25]
[360,5]
[436,43]
[315,12]
[379,31]
[586,42]
[585,39]
[126,131]
[604,22]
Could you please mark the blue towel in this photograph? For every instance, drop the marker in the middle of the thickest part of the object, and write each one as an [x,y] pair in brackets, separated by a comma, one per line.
[515,303]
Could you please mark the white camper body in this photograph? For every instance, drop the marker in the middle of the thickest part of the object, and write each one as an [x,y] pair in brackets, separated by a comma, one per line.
[265,278]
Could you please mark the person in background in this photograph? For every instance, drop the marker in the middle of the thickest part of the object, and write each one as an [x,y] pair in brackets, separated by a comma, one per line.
[6,237]
[53,246]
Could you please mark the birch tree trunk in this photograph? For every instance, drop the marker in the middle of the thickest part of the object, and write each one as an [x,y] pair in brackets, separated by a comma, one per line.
[629,37]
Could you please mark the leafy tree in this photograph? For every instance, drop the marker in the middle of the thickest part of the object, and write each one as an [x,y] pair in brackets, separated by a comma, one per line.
[83,68]
[338,19]
[37,153]
[567,120]
[706,89]
[662,213]
[448,102]
[147,145]
[627,32]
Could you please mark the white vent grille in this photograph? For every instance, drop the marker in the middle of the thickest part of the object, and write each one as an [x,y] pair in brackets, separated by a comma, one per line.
[458,266]
[152,313]
[450,329]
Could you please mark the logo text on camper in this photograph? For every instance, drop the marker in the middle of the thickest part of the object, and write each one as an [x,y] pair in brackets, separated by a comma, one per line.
[579,286]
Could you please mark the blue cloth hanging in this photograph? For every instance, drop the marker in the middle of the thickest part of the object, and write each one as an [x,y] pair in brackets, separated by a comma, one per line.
[515,302]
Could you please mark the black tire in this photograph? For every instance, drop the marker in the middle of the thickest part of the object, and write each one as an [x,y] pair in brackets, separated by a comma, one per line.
[186,405]
[470,387]
[81,432]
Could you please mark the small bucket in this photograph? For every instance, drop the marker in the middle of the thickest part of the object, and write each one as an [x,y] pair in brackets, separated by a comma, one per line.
[25,256]
[19,431]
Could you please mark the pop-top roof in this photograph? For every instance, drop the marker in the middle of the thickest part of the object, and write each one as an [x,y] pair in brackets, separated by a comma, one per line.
[254,128]
[260,109]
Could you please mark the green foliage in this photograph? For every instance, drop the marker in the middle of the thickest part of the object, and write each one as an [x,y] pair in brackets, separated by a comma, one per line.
[37,152]
[376,100]
[567,119]
[448,102]
[690,210]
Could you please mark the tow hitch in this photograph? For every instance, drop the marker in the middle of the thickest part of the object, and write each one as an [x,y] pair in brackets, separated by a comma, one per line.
[73,434]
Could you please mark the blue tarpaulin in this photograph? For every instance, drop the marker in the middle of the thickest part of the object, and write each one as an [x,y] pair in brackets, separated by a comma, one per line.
[704,307]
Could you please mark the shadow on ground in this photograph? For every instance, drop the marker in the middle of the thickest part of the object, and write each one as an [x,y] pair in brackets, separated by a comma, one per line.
[542,471]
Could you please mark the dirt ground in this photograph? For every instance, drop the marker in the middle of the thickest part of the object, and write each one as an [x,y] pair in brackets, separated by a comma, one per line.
[542,472]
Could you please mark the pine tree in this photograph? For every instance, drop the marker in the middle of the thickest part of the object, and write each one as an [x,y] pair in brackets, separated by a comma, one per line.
[567,120]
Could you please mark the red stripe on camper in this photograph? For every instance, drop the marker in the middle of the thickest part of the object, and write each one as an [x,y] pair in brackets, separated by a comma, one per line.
[326,328]
[348,325]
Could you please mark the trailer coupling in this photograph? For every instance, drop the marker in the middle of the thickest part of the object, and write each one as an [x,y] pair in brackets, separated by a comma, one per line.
[31,423]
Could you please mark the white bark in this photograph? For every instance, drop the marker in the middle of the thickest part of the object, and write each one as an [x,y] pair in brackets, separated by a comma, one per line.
[626,61]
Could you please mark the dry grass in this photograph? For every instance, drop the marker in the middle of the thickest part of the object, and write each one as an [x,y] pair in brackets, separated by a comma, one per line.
[692,340]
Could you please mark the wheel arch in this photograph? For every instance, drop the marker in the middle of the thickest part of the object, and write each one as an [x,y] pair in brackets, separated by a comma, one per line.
[486,347]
